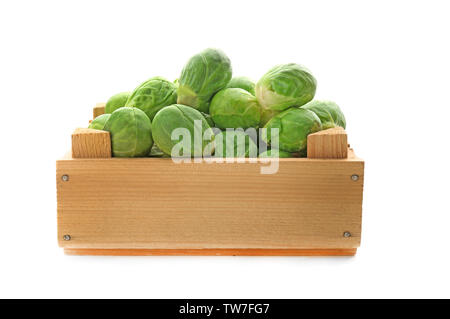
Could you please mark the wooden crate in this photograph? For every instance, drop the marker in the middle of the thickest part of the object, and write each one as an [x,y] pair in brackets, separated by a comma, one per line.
[153,206]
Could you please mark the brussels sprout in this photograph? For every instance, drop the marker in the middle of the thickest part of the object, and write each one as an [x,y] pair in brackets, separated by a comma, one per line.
[180,116]
[156,152]
[328,112]
[208,119]
[116,101]
[153,95]
[234,108]
[275,153]
[242,82]
[234,143]
[284,86]
[99,122]
[294,125]
[266,115]
[203,75]
[131,132]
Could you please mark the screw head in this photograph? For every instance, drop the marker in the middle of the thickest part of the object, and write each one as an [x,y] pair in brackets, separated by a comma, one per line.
[65,178]
[355,177]
[67,237]
[347,234]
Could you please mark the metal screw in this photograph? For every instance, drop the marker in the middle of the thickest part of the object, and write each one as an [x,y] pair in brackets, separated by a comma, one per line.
[354,177]
[65,178]
[67,237]
[347,234]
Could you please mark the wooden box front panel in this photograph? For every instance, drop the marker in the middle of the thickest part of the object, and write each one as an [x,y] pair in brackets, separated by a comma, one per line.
[153,203]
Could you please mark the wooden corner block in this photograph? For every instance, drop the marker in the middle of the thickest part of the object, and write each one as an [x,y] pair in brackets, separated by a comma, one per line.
[89,143]
[330,143]
[99,109]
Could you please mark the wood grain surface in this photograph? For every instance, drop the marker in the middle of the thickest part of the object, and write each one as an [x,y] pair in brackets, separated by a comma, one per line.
[153,203]
[90,143]
[99,109]
[331,143]
[210,252]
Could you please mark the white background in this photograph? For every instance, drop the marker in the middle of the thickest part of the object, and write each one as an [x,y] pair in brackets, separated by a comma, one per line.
[385,62]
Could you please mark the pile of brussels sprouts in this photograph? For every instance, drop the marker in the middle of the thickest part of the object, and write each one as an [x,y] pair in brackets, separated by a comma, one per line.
[141,122]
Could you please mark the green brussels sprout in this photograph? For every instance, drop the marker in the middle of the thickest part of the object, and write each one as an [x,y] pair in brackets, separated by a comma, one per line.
[328,112]
[131,132]
[156,152]
[153,95]
[204,74]
[276,153]
[266,115]
[242,82]
[116,101]
[284,86]
[209,119]
[294,125]
[181,116]
[234,143]
[99,122]
[235,108]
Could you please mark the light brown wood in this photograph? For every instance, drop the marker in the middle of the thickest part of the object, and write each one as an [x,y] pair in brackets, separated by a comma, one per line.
[90,143]
[331,143]
[152,206]
[153,203]
[99,109]
[210,252]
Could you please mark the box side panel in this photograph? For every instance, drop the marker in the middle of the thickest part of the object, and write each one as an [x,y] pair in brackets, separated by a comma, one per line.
[156,204]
